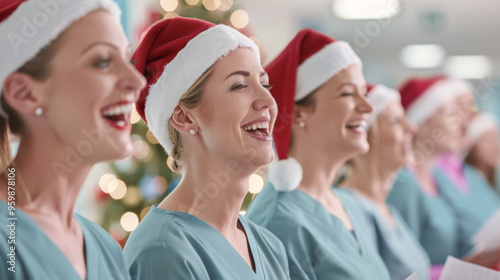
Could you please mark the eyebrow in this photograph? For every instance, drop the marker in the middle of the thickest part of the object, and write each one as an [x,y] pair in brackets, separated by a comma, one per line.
[350,84]
[244,73]
[103,43]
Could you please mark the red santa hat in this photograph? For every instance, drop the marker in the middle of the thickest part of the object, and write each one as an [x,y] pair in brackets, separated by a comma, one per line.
[308,62]
[380,96]
[27,26]
[172,55]
[480,124]
[422,97]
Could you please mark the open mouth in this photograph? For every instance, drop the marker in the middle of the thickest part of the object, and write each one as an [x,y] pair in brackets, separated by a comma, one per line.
[258,130]
[357,126]
[118,115]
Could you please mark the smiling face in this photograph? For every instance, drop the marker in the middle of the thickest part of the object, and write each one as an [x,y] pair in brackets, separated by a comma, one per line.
[237,113]
[390,140]
[337,120]
[91,89]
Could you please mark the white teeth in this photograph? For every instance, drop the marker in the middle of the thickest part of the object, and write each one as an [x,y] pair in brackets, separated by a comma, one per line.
[118,110]
[120,123]
[360,129]
[256,126]
[357,124]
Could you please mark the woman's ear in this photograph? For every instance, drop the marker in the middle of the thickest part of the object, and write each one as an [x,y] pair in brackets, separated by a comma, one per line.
[300,116]
[18,91]
[182,121]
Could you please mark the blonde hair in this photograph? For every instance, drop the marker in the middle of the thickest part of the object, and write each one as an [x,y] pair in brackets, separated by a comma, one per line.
[190,99]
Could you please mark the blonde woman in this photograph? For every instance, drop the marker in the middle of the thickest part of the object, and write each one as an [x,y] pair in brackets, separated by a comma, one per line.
[209,105]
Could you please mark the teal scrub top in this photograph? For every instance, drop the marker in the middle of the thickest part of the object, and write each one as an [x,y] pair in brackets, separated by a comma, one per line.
[178,245]
[473,207]
[37,257]
[398,247]
[429,217]
[498,183]
[318,244]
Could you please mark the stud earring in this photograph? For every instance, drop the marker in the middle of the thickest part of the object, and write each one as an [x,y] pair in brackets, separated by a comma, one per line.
[192,132]
[302,124]
[38,111]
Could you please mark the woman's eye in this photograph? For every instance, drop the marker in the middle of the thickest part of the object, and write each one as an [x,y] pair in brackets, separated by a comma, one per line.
[238,86]
[102,63]
[268,87]
[346,94]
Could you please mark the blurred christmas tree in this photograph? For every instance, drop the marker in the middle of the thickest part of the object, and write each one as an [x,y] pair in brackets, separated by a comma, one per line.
[145,178]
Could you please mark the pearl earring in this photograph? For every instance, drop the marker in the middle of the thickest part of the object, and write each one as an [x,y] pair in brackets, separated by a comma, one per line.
[192,132]
[302,124]
[38,111]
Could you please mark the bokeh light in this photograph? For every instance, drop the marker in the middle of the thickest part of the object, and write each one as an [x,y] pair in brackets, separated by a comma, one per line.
[129,221]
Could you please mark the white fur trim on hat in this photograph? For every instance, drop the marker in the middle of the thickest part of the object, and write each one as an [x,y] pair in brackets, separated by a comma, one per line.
[36,23]
[434,97]
[324,64]
[285,175]
[380,96]
[184,70]
[480,124]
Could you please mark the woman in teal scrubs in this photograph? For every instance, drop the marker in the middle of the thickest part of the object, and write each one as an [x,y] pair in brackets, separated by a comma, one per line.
[59,87]
[320,90]
[483,157]
[209,105]
[370,177]
[475,204]
[470,195]
[418,192]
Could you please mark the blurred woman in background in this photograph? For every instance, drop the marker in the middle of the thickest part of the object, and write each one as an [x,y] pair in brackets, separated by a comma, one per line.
[421,191]
[483,158]
[370,177]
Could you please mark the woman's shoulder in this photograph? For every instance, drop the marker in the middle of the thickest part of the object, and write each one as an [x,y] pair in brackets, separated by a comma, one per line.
[159,227]
[102,237]
[271,206]
[260,233]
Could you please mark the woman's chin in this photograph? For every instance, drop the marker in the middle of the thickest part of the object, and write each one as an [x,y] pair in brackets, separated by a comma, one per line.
[361,147]
[119,151]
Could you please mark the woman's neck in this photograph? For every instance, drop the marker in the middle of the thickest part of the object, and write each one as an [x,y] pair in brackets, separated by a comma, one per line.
[369,180]
[214,193]
[318,172]
[46,185]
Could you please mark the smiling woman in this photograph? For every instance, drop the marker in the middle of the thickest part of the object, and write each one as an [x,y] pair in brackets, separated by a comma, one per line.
[209,106]
[67,88]
[320,90]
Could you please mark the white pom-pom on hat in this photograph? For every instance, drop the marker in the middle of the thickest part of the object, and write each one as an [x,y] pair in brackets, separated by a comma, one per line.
[285,175]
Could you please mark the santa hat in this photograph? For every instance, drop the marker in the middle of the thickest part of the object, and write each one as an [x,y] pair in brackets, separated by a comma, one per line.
[480,124]
[423,97]
[173,54]
[27,26]
[380,96]
[307,63]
